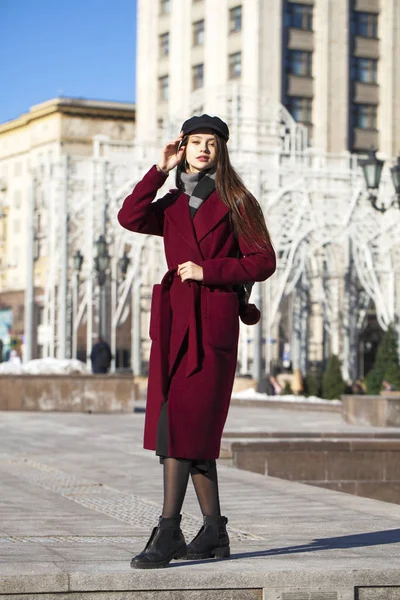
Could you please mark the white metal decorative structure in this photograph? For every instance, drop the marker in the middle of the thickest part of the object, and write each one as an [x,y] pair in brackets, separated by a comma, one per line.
[336,255]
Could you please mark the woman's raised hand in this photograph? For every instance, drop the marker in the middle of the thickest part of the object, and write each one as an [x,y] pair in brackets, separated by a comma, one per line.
[170,157]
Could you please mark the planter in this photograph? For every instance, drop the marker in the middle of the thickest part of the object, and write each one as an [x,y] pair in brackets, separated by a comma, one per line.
[77,393]
[378,411]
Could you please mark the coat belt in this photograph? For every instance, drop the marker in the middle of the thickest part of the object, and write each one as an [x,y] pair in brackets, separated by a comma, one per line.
[165,319]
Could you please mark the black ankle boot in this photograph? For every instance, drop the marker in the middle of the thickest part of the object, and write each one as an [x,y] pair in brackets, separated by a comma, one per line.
[212,541]
[166,542]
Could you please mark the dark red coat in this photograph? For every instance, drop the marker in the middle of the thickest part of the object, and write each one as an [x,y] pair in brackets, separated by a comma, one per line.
[201,385]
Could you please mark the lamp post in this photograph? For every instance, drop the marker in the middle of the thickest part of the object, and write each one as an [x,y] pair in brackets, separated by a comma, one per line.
[78,260]
[101,262]
[77,265]
[124,263]
[119,269]
[395,171]
[372,169]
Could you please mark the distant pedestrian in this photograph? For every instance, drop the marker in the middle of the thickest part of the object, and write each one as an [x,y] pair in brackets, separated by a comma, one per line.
[101,356]
[357,388]
[387,386]
[215,238]
[265,386]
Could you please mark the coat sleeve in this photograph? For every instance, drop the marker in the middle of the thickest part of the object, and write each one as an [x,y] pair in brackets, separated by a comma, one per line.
[255,265]
[139,213]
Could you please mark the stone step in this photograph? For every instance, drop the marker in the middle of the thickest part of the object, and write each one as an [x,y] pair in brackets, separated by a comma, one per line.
[79,497]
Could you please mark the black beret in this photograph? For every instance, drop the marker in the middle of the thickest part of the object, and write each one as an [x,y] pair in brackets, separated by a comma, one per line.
[206,122]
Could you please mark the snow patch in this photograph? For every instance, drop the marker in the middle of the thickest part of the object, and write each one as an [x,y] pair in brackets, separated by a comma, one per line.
[251,394]
[44,366]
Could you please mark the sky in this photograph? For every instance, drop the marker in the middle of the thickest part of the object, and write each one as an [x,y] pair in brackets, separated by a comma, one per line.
[78,48]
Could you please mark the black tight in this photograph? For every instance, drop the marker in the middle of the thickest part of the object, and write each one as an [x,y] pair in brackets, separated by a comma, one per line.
[176,476]
[206,488]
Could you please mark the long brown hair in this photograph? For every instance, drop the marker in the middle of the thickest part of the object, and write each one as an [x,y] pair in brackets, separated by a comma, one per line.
[245,211]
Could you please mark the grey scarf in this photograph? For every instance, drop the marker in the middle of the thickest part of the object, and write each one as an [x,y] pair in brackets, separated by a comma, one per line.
[198,186]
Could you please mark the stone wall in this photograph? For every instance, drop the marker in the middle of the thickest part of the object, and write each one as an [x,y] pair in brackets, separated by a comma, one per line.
[367,466]
[78,393]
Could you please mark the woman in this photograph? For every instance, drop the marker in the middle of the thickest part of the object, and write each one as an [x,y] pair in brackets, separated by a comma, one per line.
[215,238]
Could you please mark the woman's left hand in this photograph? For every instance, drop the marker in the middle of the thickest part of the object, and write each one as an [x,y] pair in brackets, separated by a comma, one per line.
[189,270]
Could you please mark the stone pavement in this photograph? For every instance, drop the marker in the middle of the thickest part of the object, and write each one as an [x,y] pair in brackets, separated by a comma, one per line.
[79,497]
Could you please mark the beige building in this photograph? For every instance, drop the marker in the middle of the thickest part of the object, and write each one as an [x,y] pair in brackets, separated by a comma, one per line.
[332,63]
[37,139]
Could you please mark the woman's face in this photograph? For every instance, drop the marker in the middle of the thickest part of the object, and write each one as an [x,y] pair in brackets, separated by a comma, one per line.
[200,152]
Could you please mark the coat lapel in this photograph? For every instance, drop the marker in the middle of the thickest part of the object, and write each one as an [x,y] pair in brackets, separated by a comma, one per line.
[178,213]
[210,213]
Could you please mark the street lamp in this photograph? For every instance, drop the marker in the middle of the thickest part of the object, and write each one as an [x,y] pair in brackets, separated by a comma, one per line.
[395,171]
[101,261]
[77,261]
[372,168]
[124,263]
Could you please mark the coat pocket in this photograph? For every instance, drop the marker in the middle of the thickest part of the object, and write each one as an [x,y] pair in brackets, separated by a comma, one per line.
[155,311]
[223,319]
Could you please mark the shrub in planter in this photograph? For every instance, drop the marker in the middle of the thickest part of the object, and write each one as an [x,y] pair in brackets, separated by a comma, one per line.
[332,382]
[386,364]
[374,381]
[311,385]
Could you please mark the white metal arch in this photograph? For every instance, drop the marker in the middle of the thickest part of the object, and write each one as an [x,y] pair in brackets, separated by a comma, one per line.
[329,240]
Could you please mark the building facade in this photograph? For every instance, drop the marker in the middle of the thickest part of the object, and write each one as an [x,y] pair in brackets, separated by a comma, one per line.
[30,146]
[331,63]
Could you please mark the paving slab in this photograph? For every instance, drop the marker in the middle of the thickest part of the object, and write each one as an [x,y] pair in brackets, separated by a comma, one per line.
[79,497]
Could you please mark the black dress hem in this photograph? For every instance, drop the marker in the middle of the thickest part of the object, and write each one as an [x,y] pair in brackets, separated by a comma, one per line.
[198,465]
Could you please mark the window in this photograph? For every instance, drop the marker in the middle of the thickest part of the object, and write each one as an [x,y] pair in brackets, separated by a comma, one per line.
[366,24]
[365,70]
[40,315]
[365,116]
[198,33]
[17,199]
[300,109]
[235,65]
[163,88]
[300,62]
[165,7]
[300,16]
[235,19]
[164,44]
[197,76]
